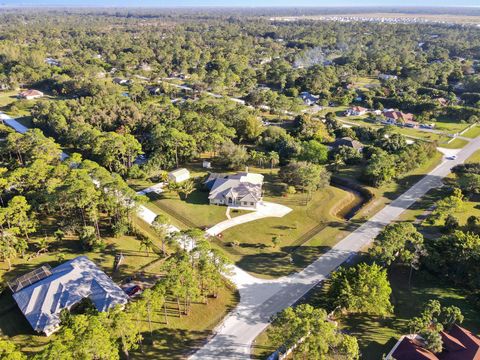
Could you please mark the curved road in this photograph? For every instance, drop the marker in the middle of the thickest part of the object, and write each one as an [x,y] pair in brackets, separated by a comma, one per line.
[260,299]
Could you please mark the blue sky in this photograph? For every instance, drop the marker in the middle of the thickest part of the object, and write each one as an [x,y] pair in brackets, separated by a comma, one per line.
[239,3]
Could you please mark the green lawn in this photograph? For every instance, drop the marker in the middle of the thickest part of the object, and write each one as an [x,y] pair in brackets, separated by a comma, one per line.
[366,83]
[195,211]
[475,158]
[185,334]
[376,335]
[473,132]
[173,340]
[408,132]
[304,234]
[454,144]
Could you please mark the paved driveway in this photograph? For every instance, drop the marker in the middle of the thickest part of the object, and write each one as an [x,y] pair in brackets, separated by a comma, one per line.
[264,209]
[259,300]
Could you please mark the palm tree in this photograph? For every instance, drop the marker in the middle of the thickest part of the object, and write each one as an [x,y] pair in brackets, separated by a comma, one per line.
[160,226]
[274,159]
[147,244]
[187,188]
[261,159]
[253,156]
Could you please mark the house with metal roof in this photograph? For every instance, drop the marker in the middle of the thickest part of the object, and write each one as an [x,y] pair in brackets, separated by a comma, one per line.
[42,297]
[179,175]
[238,190]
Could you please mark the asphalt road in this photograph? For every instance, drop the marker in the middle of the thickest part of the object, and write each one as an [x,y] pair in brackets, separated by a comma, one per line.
[260,299]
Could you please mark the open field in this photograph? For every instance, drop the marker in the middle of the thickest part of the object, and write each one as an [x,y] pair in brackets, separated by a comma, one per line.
[303,234]
[376,336]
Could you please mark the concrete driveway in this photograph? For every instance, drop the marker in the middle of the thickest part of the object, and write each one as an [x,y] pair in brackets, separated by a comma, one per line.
[259,300]
[264,209]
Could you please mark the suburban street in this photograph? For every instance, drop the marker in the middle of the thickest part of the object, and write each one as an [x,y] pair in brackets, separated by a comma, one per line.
[260,299]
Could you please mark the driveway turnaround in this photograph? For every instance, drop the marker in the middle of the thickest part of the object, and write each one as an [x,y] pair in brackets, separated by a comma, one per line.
[264,209]
[260,299]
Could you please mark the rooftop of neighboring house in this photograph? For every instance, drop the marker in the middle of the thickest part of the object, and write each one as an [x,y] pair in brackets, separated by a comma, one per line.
[348,141]
[30,92]
[359,109]
[399,115]
[61,288]
[458,344]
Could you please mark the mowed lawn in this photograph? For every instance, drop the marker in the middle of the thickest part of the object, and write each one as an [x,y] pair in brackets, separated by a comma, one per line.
[184,334]
[376,335]
[473,132]
[172,341]
[195,211]
[456,143]
[306,232]
[303,234]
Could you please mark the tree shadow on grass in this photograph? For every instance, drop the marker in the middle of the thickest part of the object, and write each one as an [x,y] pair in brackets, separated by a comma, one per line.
[371,331]
[171,344]
[281,263]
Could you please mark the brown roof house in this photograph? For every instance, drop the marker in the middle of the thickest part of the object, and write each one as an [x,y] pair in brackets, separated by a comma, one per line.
[30,94]
[356,111]
[395,117]
[458,344]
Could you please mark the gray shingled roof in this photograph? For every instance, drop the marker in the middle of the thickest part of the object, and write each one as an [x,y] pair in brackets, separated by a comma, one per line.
[239,186]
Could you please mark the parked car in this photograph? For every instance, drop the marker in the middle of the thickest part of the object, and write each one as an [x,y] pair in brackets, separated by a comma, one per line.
[131,291]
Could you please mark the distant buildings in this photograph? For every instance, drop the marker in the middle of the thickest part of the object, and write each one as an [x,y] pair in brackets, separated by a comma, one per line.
[347,141]
[121,81]
[42,294]
[387,77]
[52,62]
[458,344]
[30,94]
[308,98]
[395,117]
[356,111]
[238,190]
